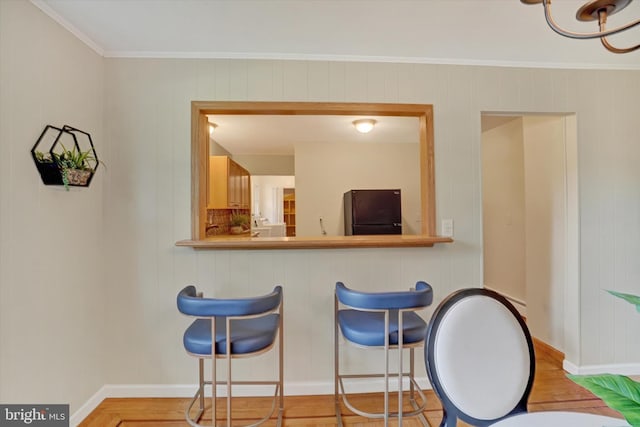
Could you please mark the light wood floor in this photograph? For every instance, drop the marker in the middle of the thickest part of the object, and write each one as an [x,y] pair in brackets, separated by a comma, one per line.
[551,391]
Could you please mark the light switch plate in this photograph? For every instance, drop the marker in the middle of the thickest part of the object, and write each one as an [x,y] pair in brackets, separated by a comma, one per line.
[447,227]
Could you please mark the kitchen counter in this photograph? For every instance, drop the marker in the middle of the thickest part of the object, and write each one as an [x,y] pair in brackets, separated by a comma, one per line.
[245,241]
[242,235]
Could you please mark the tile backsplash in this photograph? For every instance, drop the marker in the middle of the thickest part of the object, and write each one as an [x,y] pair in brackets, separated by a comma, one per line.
[218,220]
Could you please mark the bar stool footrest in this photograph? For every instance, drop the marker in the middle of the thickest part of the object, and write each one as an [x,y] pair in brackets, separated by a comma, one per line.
[417,409]
[194,422]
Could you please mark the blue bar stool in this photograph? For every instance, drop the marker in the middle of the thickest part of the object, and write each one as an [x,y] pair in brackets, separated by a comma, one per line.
[382,320]
[242,327]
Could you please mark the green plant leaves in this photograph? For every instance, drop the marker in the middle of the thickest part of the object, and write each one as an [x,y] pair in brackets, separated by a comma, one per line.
[617,391]
[240,219]
[74,158]
[633,299]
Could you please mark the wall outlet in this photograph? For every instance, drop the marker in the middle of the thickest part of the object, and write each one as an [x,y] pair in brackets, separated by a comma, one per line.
[446,228]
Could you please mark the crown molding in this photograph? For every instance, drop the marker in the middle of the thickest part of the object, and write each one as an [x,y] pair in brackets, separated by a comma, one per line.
[372,59]
[44,7]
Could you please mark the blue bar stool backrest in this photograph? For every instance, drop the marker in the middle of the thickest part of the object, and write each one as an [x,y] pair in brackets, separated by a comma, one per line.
[421,297]
[190,304]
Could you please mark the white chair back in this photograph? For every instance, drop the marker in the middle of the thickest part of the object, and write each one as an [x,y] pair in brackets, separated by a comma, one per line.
[479,356]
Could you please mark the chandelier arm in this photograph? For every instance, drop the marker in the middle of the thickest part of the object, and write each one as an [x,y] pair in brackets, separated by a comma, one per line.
[602,19]
[614,49]
[574,35]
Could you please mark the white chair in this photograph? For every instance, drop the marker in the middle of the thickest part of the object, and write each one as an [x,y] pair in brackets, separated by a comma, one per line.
[479,357]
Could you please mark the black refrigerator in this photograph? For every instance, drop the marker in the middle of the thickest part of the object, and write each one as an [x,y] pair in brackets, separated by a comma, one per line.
[372,212]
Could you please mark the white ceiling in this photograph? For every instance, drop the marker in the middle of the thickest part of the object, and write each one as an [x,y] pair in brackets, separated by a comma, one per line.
[277,135]
[485,32]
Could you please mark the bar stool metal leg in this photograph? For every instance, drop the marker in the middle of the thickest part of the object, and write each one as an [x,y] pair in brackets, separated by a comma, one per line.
[383,320]
[336,365]
[214,373]
[400,358]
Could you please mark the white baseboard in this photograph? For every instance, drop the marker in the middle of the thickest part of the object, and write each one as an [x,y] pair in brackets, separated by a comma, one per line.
[188,390]
[618,368]
[88,407]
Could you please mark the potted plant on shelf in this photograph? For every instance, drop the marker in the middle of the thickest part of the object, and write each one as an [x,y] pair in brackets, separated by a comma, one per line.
[619,392]
[239,223]
[74,165]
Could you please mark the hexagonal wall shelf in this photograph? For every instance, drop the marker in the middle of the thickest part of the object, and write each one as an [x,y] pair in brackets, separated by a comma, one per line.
[69,157]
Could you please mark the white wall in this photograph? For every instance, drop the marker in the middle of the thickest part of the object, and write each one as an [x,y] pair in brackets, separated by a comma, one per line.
[325,171]
[148,206]
[145,206]
[545,205]
[52,281]
[148,210]
[503,209]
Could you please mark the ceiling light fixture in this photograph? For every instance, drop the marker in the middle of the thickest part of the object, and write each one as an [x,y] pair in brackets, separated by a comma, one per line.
[594,10]
[212,127]
[364,125]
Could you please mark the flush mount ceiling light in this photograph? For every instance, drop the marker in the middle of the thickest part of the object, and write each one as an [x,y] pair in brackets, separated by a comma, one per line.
[364,125]
[595,10]
[212,127]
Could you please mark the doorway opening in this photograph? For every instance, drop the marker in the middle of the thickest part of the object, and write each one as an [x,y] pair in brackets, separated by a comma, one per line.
[530,221]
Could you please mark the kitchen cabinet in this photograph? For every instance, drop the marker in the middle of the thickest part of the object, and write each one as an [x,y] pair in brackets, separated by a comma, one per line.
[289,210]
[229,184]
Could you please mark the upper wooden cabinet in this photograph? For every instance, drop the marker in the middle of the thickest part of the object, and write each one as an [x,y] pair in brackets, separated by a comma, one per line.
[229,184]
